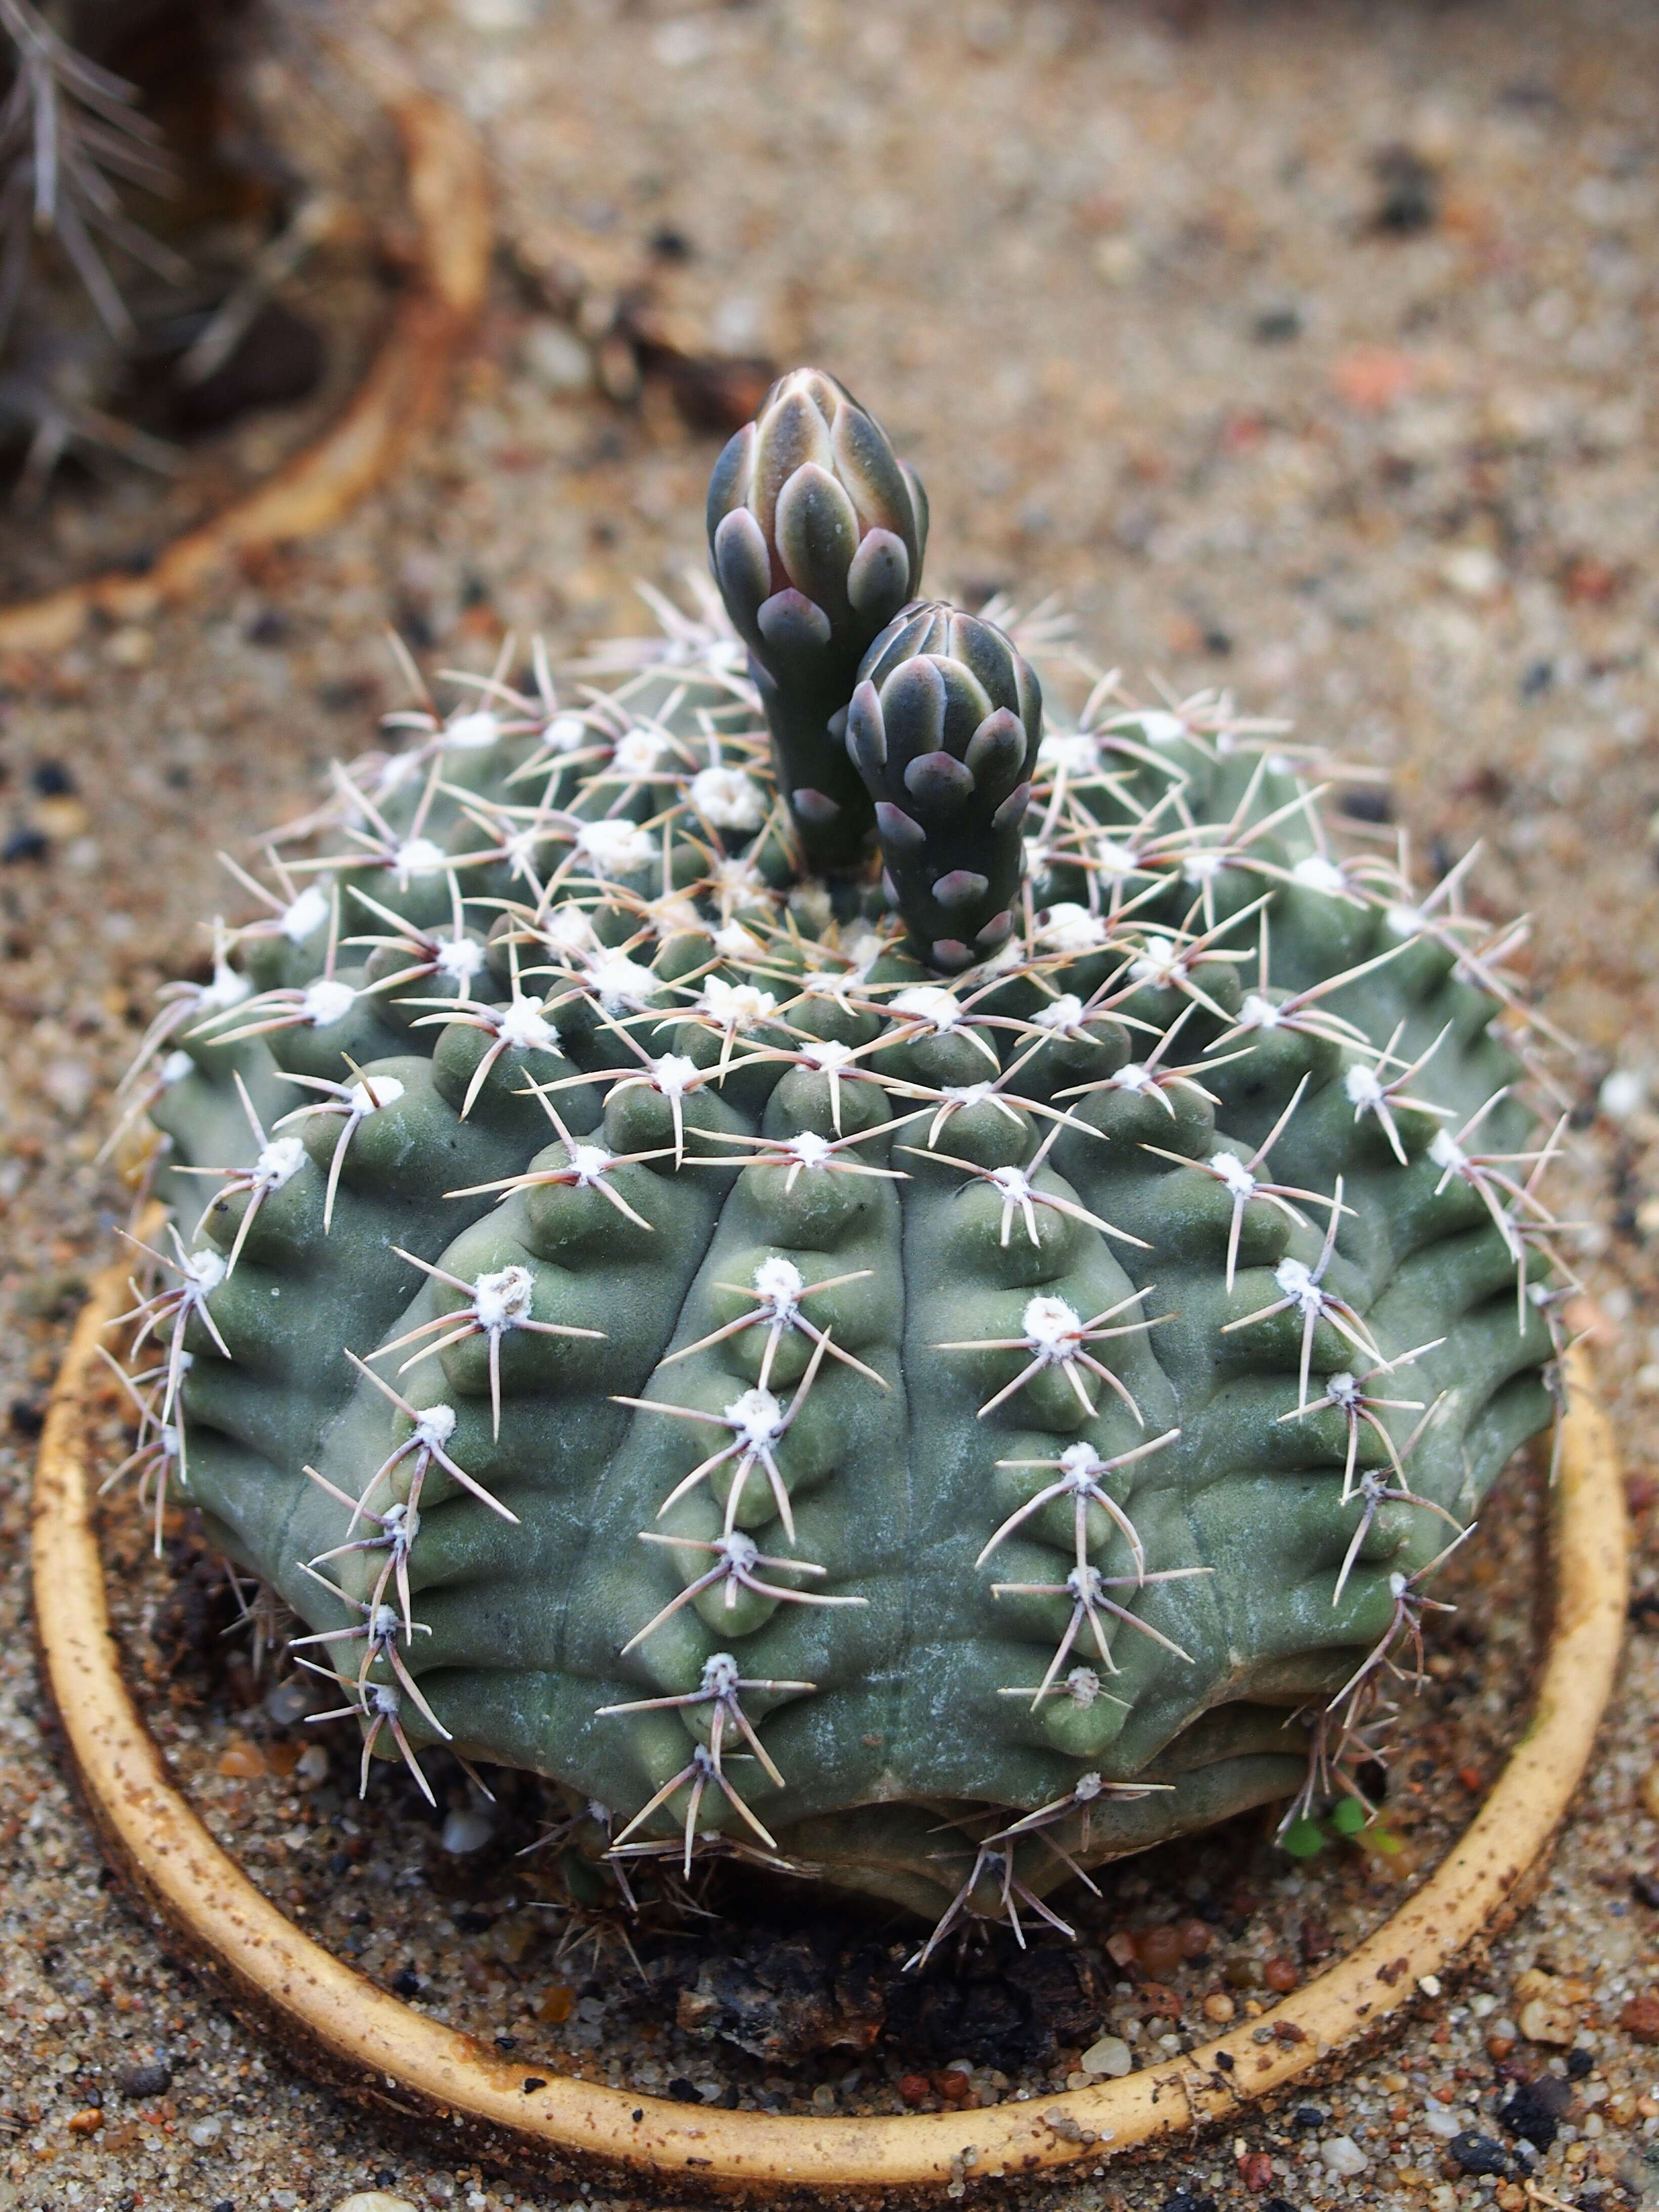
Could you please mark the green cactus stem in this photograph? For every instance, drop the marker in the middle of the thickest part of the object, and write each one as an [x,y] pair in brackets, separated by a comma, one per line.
[932,1434]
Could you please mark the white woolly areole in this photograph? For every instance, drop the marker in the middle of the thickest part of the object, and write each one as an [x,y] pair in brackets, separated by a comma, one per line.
[1317,873]
[434,1426]
[1406,921]
[827,1053]
[567,929]
[280,1161]
[1362,1086]
[810,905]
[738,1550]
[1080,1464]
[524,1023]
[614,848]
[1112,859]
[931,1004]
[459,958]
[418,856]
[1087,1788]
[501,1299]
[204,1271]
[735,1005]
[1131,1077]
[1073,751]
[175,1067]
[327,1001]
[1052,1328]
[1159,961]
[1202,867]
[1158,728]
[674,1074]
[1295,1279]
[638,753]
[472,732]
[735,943]
[737,882]
[227,988]
[721,1675]
[566,733]
[758,1418]
[778,1280]
[1445,1151]
[1259,1013]
[728,798]
[369,1097]
[620,981]
[588,1162]
[1009,954]
[1227,1168]
[810,1148]
[1083,1686]
[1342,1390]
[674,915]
[1070,928]
[1013,1182]
[1064,1013]
[303,914]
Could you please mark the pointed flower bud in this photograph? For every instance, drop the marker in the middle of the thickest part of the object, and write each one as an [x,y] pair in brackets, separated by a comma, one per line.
[816,532]
[944,727]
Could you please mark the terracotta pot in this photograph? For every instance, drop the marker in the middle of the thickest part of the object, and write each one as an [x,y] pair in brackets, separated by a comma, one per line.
[355,2036]
[403,389]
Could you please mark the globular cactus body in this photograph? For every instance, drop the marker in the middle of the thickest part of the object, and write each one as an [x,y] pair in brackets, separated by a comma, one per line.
[935,1422]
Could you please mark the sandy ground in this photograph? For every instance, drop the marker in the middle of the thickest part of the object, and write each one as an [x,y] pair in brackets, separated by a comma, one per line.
[1301,350]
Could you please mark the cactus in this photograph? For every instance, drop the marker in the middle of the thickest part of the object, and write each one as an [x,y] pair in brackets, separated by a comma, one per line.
[933,1400]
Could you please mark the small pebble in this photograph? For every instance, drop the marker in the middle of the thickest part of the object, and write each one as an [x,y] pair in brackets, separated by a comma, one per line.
[288,1702]
[129,647]
[374,2200]
[1639,2018]
[206,2131]
[1110,2055]
[1545,2022]
[1343,2156]
[556,358]
[1478,2154]
[154,2079]
[1622,1094]
[467,1831]
[1219,2007]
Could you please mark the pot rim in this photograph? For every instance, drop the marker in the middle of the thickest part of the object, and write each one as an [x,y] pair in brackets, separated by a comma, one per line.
[378,2050]
[401,390]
